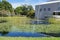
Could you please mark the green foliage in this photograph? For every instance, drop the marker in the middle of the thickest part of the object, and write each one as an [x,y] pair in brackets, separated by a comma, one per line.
[31,14]
[18,10]
[5,28]
[54,20]
[7,6]
[1,6]
[22,24]
[4,25]
[21,10]
[25,10]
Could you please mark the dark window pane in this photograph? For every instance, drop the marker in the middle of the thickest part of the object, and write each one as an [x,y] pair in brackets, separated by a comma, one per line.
[40,9]
[59,8]
[49,9]
[44,9]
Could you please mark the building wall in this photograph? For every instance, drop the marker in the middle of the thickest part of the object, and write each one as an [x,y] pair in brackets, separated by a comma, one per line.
[41,11]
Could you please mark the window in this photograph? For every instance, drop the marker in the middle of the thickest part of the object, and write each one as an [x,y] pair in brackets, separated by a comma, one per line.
[40,9]
[44,9]
[49,9]
[58,8]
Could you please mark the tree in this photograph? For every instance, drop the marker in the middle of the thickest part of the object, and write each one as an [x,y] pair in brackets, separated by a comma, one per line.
[1,6]
[21,10]
[7,6]
[18,10]
[25,10]
[30,7]
[31,12]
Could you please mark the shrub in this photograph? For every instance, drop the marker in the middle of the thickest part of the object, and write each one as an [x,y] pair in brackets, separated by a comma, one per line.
[31,15]
[3,20]
[53,21]
[5,28]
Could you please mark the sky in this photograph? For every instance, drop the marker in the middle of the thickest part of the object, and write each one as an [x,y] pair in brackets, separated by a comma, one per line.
[16,3]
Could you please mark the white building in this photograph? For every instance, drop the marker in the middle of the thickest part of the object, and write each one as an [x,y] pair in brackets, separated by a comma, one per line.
[47,9]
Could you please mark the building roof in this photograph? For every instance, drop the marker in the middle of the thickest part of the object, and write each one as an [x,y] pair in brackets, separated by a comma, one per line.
[49,2]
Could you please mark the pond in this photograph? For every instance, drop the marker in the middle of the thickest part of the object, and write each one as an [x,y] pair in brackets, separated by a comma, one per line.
[15,32]
[24,34]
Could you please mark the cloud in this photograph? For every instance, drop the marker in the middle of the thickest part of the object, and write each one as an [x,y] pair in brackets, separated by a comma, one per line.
[19,4]
[28,2]
[14,5]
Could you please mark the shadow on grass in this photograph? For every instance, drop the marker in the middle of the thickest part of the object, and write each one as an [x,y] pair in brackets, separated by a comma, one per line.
[52,34]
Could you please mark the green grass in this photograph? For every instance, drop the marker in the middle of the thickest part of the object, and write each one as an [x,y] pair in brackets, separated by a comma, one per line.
[28,38]
[22,23]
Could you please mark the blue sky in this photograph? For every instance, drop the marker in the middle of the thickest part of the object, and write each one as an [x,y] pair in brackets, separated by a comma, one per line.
[16,3]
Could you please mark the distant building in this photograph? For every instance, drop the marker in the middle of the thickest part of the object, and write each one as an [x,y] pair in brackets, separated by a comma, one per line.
[47,9]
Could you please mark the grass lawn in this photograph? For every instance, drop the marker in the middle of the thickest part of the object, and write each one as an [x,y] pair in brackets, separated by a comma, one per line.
[29,38]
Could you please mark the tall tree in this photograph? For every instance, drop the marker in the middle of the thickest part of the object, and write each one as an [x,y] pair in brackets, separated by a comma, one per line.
[18,10]
[31,13]
[21,10]
[1,6]
[7,6]
[25,10]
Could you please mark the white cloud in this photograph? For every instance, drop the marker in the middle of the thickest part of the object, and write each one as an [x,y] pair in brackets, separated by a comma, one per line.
[26,2]
[19,4]
[15,5]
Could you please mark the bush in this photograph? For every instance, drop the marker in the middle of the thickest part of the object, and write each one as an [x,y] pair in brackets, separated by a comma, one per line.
[54,21]
[3,15]
[3,20]
[5,28]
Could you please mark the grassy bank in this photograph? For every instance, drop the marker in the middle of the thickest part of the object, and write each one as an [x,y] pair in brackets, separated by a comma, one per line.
[29,38]
[22,23]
